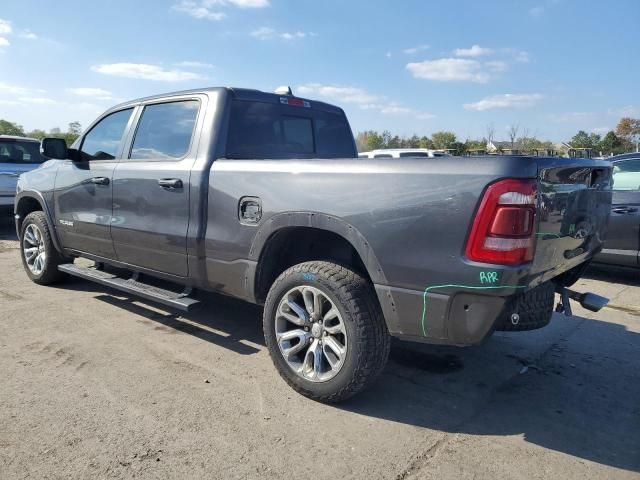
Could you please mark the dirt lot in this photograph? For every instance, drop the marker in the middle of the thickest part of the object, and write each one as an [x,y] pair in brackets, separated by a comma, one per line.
[96,384]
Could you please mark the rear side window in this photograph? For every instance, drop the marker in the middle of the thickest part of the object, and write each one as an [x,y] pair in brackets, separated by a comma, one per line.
[268,130]
[20,152]
[626,175]
[103,140]
[165,130]
[383,155]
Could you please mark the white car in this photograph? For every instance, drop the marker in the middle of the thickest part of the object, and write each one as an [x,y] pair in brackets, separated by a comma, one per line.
[403,152]
[17,155]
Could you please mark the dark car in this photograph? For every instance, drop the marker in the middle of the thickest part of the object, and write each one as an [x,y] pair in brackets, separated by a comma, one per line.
[17,156]
[622,246]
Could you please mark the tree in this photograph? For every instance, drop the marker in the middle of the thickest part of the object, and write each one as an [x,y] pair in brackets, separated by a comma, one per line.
[611,144]
[9,128]
[629,129]
[369,140]
[583,140]
[75,128]
[425,142]
[513,134]
[491,132]
[443,140]
[37,133]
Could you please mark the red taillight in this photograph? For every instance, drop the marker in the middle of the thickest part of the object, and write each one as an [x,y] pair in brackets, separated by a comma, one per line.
[503,230]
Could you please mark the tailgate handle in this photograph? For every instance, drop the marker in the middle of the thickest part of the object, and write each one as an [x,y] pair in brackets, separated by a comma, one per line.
[623,210]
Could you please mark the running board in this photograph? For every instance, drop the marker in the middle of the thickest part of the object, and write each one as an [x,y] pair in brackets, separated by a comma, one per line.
[179,301]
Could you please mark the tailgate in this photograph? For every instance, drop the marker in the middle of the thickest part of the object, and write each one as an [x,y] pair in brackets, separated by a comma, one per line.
[574,201]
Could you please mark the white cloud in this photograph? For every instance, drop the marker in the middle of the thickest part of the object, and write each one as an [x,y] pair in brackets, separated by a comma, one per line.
[572,117]
[5,27]
[388,54]
[145,72]
[450,70]
[194,64]
[292,36]
[626,111]
[38,100]
[361,98]
[474,51]
[521,56]
[497,66]
[536,12]
[28,34]
[210,9]
[419,48]
[4,42]
[239,3]
[601,130]
[198,10]
[507,100]
[16,89]
[96,93]
[263,33]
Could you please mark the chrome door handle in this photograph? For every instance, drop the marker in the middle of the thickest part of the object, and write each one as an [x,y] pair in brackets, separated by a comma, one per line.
[170,183]
[100,180]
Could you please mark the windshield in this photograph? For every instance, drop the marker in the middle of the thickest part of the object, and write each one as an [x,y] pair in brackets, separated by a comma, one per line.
[16,151]
[267,130]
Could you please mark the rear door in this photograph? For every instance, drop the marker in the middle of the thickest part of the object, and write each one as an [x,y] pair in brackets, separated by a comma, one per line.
[623,239]
[151,186]
[16,157]
[83,190]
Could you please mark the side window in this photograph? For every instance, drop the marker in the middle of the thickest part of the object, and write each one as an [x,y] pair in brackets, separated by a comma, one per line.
[383,155]
[165,130]
[103,140]
[626,175]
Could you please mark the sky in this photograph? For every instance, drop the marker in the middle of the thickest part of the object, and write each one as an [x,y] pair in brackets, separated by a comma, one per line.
[552,67]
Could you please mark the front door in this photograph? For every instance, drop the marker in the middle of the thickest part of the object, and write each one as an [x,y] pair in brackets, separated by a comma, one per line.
[83,193]
[151,188]
[623,236]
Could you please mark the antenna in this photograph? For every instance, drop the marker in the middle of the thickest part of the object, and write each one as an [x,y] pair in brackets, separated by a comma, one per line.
[284,90]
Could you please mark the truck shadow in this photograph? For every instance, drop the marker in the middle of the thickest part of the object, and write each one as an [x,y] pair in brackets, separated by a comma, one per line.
[579,396]
[572,387]
[7,227]
[610,273]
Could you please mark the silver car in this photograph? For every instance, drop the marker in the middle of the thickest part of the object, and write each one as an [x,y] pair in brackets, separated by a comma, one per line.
[17,155]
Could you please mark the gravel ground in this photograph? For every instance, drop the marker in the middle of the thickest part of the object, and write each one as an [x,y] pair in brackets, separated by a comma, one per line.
[94,384]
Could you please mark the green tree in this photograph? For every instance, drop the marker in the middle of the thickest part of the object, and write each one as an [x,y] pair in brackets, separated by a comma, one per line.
[611,144]
[442,140]
[584,140]
[9,128]
[37,133]
[425,142]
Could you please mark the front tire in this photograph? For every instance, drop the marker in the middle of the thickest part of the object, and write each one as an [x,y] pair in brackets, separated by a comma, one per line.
[325,331]
[39,256]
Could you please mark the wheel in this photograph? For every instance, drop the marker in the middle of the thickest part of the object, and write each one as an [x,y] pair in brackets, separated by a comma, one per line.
[325,331]
[39,257]
[534,309]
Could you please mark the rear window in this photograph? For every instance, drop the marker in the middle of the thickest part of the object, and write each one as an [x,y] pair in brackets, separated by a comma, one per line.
[413,154]
[267,130]
[20,152]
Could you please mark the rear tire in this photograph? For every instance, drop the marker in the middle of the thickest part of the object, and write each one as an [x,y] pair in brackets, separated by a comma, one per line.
[534,309]
[332,312]
[39,256]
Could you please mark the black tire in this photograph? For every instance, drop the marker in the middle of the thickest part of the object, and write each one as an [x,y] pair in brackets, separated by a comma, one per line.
[534,309]
[366,331]
[50,273]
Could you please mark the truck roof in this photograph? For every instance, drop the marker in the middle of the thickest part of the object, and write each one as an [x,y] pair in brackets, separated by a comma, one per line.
[238,93]
[16,137]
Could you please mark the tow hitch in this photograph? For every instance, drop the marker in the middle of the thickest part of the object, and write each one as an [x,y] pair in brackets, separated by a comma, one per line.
[590,301]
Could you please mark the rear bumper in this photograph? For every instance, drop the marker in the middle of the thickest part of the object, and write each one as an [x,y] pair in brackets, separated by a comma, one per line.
[440,316]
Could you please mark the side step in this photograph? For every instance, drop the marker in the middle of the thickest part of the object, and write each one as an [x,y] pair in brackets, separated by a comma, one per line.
[179,301]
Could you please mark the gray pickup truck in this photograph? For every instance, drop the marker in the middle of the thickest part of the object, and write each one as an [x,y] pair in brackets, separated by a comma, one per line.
[261,197]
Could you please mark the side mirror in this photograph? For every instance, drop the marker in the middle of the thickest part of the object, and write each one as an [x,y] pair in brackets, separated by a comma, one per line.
[54,148]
